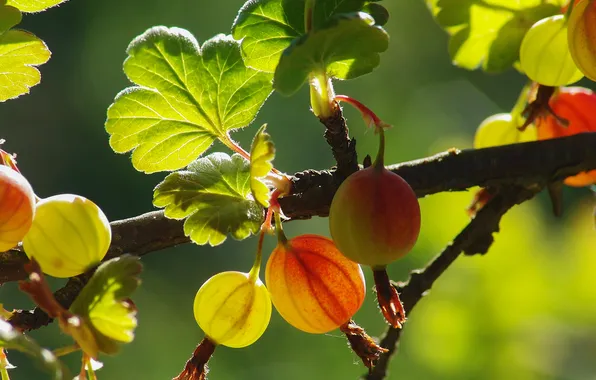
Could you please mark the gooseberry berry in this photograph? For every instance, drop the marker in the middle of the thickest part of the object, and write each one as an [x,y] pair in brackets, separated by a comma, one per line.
[233,309]
[581,35]
[374,216]
[501,129]
[17,207]
[544,53]
[576,105]
[69,235]
[312,285]
[375,219]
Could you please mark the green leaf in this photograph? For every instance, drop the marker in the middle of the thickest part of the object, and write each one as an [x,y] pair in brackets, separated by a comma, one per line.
[262,153]
[12,339]
[268,27]
[34,5]
[187,97]
[9,16]
[346,48]
[214,195]
[103,304]
[19,52]
[378,12]
[488,34]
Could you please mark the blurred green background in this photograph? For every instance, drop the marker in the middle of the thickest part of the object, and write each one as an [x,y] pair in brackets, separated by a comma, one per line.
[526,310]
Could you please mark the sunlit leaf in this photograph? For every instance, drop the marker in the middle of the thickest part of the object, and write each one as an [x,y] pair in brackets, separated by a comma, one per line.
[347,47]
[12,339]
[9,16]
[268,27]
[262,153]
[104,306]
[20,51]
[488,34]
[34,5]
[214,194]
[187,97]
[377,11]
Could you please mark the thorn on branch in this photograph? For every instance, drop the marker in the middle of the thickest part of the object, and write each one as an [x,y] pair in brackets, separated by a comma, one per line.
[367,161]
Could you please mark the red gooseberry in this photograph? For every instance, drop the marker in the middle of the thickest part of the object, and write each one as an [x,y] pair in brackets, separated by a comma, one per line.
[17,207]
[576,105]
[374,217]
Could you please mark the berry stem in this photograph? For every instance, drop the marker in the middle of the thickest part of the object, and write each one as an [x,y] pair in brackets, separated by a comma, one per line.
[388,299]
[3,365]
[520,104]
[266,227]
[380,159]
[273,206]
[540,107]
[309,7]
[569,9]
[281,236]
[89,367]
[62,351]
[370,118]
[253,275]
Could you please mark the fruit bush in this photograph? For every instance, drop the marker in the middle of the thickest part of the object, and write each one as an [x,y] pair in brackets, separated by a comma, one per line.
[219,120]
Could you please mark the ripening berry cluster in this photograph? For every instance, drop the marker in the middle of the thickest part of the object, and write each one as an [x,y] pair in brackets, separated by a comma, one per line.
[316,283]
[560,50]
[556,52]
[570,112]
[66,234]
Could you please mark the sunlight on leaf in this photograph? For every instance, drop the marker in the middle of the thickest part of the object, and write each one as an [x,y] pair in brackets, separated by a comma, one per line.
[19,52]
[187,97]
[9,16]
[488,34]
[268,27]
[12,339]
[262,153]
[214,194]
[34,5]
[104,306]
[346,48]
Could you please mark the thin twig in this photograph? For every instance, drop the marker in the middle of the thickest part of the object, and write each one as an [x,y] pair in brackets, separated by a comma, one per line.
[476,237]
